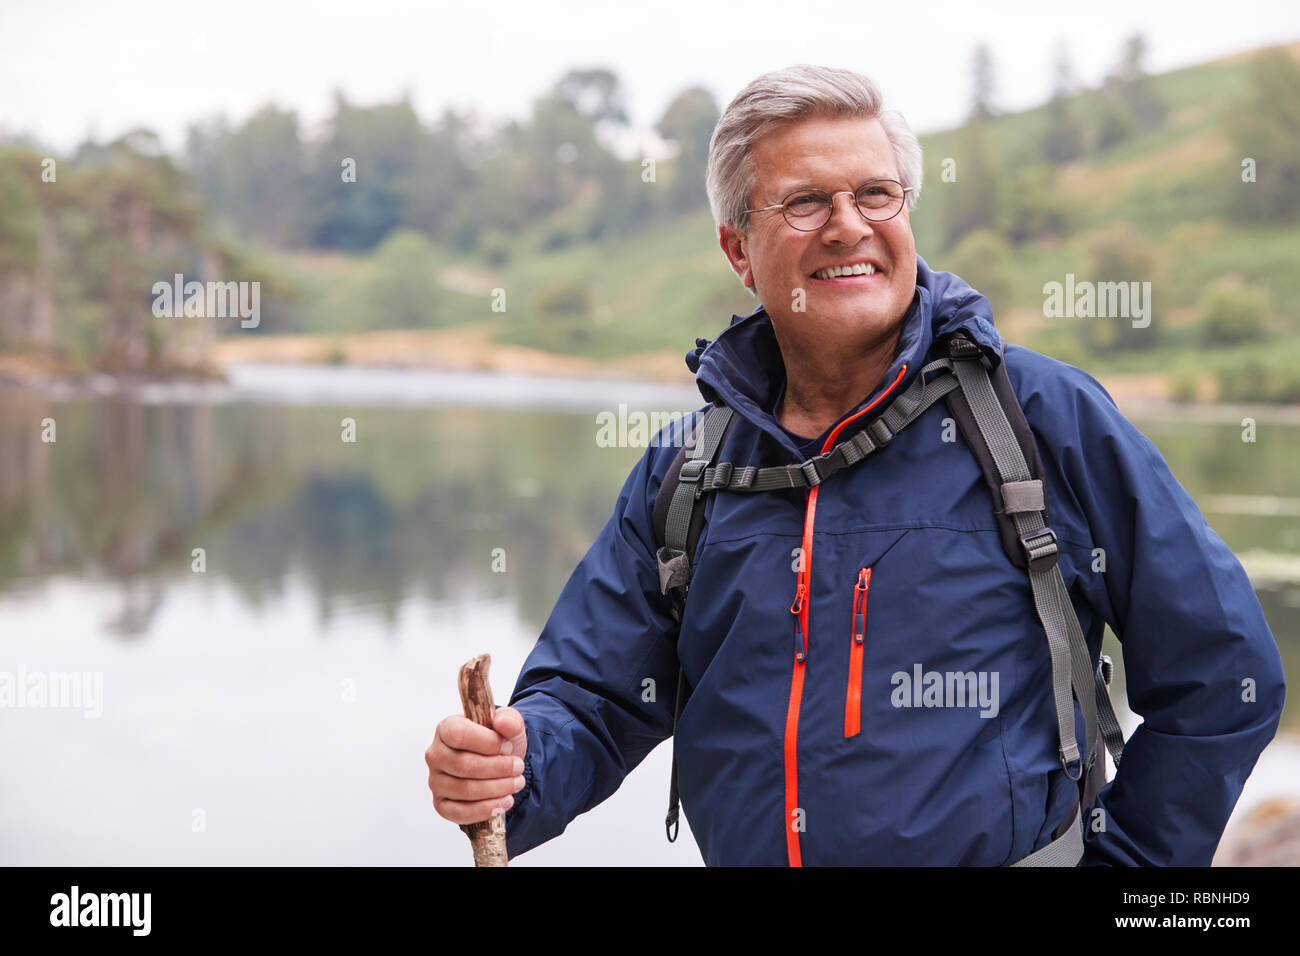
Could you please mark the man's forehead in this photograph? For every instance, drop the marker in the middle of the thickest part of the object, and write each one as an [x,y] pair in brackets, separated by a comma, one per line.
[796,159]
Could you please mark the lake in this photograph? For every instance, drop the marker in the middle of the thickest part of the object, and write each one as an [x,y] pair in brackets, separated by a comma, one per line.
[268,698]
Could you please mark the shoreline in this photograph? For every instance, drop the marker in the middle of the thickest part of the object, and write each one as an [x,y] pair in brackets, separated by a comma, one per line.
[470,349]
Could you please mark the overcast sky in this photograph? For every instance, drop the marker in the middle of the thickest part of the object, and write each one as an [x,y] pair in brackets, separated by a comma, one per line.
[89,67]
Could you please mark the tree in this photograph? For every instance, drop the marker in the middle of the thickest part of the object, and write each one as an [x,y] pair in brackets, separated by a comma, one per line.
[384,142]
[1115,119]
[1136,86]
[982,83]
[1265,129]
[253,176]
[595,94]
[689,122]
[976,193]
[1035,207]
[1063,140]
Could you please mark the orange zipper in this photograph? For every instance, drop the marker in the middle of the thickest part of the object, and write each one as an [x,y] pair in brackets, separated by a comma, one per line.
[799,608]
[853,699]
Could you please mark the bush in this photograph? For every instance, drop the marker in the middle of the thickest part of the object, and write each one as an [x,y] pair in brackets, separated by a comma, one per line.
[1119,253]
[567,297]
[1275,380]
[1232,315]
[1063,348]
[1183,382]
[981,259]
[495,247]
[404,293]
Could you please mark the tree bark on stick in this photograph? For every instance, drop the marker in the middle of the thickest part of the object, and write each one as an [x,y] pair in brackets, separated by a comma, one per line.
[488,837]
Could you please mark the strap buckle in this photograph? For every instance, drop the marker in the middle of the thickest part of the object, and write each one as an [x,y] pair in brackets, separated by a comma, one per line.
[960,347]
[693,469]
[1040,549]
[1078,762]
[1105,668]
[811,472]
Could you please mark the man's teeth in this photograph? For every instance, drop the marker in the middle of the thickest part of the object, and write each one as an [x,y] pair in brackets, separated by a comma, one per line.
[861,269]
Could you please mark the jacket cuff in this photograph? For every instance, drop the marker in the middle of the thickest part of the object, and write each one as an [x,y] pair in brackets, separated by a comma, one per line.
[522,794]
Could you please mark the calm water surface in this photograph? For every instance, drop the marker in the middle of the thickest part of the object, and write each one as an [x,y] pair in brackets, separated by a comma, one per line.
[285,696]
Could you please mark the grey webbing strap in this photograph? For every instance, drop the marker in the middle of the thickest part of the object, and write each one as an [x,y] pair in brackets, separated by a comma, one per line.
[1040,547]
[1111,731]
[905,409]
[1051,599]
[1065,850]
[674,562]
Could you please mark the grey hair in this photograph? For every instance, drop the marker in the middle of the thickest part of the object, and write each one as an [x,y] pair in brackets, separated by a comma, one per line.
[783,96]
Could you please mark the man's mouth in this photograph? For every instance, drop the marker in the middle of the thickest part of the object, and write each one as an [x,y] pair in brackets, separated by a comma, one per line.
[848,275]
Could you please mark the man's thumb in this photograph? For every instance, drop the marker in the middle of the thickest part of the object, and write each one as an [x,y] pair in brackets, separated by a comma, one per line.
[509,723]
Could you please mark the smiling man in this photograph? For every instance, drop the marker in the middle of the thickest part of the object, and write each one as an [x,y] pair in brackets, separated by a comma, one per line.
[849,279]
[871,620]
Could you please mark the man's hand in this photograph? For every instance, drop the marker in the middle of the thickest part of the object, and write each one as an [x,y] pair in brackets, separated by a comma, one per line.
[474,770]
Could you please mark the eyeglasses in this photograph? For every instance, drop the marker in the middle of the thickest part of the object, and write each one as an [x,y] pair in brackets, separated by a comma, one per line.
[809,209]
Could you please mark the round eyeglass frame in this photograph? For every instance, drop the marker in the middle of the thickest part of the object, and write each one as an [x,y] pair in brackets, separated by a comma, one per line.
[830,208]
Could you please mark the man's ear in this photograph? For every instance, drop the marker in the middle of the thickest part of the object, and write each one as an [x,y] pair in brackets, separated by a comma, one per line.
[734,243]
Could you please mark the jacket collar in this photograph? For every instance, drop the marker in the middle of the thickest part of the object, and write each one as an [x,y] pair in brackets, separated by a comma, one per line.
[743,367]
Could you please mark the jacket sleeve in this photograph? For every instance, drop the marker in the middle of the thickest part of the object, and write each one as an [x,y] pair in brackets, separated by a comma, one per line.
[596,692]
[1201,666]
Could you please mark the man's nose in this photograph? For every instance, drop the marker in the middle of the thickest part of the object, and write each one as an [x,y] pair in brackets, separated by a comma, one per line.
[847,222]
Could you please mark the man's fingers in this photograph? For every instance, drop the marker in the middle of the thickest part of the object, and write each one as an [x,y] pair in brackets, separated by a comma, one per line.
[474,770]
[461,733]
[460,788]
[458,811]
[467,764]
[508,722]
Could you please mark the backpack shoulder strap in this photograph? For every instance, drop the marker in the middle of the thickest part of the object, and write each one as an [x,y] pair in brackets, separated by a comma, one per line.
[994,426]
[678,510]
[678,520]
[960,408]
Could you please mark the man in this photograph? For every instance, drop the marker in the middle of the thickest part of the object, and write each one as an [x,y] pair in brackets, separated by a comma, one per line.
[816,749]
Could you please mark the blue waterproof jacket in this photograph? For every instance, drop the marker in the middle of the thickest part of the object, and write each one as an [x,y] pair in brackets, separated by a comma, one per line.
[840,761]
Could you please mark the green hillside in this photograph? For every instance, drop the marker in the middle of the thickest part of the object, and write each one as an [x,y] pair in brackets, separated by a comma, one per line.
[1160,200]
[1188,181]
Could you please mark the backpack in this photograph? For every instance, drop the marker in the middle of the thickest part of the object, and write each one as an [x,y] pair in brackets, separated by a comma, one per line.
[995,429]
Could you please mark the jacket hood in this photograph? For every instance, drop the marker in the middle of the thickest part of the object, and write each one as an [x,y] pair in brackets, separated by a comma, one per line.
[743,368]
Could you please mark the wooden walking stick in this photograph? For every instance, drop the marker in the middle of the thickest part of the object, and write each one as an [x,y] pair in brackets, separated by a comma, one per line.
[488,837]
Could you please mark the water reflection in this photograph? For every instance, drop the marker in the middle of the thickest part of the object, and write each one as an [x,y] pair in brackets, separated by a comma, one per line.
[418,503]
[329,561]
[415,506]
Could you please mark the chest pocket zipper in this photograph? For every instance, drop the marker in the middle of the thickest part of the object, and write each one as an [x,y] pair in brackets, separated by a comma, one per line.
[853,698]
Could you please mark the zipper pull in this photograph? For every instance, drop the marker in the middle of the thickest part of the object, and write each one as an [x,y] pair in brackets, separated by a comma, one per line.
[860,605]
[800,654]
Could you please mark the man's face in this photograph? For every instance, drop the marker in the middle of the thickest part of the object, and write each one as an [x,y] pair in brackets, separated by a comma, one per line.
[777,260]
